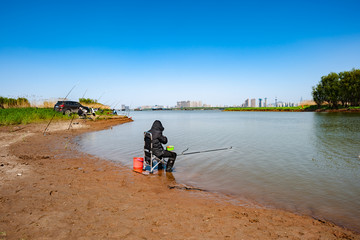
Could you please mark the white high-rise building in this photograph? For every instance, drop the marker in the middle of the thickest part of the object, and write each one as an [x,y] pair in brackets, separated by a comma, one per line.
[253,102]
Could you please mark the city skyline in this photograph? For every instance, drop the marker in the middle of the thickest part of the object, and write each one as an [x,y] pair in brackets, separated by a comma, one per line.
[148,54]
[247,103]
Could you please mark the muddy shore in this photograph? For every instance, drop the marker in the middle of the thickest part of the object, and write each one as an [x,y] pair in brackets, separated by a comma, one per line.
[49,190]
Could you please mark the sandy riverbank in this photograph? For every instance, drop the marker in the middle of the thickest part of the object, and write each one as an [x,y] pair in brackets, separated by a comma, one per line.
[49,190]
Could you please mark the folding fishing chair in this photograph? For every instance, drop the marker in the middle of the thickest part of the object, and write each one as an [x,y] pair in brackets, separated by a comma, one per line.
[151,161]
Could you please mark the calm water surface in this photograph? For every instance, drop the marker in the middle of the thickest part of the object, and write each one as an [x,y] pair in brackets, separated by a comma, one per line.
[307,163]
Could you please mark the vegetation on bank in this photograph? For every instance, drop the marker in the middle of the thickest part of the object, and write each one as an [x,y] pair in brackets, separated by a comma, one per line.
[13,102]
[103,112]
[87,101]
[273,109]
[307,108]
[12,116]
[338,89]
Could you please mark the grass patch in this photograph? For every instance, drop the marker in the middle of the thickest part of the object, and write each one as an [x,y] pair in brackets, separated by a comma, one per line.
[13,116]
[308,108]
[328,108]
[104,112]
[87,100]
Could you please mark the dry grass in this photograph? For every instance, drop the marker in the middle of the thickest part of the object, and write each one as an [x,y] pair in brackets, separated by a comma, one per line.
[19,102]
[24,105]
[47,104]
[95,105]
[308,103]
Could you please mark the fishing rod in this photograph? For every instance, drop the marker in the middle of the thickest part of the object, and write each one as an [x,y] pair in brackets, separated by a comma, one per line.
[204,151]
[70,92]
[71,122]
[84,93]
[128,112]
[117,104]
[105,103]
[55,112]
[112,104]
[100,97]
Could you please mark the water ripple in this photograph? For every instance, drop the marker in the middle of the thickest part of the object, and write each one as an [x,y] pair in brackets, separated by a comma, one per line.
[304,162]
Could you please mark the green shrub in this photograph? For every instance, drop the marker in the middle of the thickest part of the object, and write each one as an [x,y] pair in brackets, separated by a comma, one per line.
[87,100]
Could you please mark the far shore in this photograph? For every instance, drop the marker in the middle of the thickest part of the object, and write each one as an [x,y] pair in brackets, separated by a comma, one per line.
[260,109]
[293,109]
[50,190]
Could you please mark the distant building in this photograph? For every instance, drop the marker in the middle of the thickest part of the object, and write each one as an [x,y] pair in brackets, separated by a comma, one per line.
[196,104]
[124,108]
[265,104]
[146,107]
[246,103]
[260,99]
[253,102]
[182,104]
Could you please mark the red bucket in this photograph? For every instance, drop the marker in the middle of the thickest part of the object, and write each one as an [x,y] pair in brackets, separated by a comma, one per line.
[138,163]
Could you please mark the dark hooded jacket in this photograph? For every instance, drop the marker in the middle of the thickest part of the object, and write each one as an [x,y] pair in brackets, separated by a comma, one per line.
[158,138]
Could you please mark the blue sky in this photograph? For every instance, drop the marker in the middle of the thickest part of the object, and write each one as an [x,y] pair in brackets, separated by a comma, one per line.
[160,52]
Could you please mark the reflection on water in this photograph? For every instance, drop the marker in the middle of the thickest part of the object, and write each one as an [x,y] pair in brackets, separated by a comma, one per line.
[303,162]
[336,137]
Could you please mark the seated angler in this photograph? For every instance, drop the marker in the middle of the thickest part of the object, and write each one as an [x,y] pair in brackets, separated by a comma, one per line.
[157,140]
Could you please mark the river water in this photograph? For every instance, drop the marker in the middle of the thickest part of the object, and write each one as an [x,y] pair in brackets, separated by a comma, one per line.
[308,163]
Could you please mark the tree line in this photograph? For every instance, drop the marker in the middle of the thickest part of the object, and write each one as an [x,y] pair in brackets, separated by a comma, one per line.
[338,89]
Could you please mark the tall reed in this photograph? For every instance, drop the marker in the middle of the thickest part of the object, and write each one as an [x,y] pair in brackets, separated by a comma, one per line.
[14,103]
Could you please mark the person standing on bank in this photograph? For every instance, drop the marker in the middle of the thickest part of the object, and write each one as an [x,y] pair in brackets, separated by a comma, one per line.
[157,140]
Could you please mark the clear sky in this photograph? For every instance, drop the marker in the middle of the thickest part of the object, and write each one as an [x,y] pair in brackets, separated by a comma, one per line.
[160,52]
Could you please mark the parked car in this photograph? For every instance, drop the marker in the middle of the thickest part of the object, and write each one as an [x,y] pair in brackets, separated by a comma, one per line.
[68,107]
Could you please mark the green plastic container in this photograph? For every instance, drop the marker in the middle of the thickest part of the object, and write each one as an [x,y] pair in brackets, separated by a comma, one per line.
[170,148]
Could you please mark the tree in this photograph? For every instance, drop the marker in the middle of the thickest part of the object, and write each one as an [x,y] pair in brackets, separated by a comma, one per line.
[334,88]
[356,88]
[345,88]
[350,87]
[331,88]
[318,95]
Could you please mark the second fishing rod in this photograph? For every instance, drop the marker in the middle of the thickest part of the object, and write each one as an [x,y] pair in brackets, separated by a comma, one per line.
[171,148]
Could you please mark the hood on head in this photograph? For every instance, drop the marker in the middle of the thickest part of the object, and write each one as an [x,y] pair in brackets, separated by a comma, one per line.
[157,126]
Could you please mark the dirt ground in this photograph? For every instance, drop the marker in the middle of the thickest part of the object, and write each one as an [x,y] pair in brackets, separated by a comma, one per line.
[49,190]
